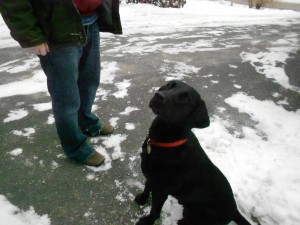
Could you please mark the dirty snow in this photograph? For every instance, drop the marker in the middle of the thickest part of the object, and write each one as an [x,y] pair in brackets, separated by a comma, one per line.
[16,152]
[15,115]
[12,215]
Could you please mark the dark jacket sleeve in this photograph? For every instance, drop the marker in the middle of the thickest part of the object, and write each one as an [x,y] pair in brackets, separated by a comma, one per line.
[109,17]
[20,19]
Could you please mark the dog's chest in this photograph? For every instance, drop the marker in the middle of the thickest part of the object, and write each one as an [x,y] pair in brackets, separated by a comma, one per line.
[158,162]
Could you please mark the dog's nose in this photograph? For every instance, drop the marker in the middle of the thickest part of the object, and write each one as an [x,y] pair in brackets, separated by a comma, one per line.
[159,97]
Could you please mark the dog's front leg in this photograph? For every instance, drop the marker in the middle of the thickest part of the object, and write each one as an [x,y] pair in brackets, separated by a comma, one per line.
[158,200]
[142,198]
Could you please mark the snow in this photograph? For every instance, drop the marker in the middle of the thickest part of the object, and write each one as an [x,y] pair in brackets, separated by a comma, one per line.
[51,119]
[129,110]
[277,158]
[12,215]
[26,133]
[113,121]
[179,70]
[43,106]
[16,115]
[37,84]
[28,64]
[114,141]
[16,152]
[129,126]
[289,1]
[123,88]
[194,14]
[266,183]
[265,62]
[108,72]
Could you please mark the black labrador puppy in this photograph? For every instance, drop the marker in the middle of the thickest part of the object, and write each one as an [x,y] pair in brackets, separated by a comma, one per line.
[175,164]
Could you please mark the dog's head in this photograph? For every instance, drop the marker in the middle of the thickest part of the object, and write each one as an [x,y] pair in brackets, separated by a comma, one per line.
[177,102]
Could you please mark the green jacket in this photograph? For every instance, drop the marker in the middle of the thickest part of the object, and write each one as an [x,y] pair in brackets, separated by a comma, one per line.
[57,22]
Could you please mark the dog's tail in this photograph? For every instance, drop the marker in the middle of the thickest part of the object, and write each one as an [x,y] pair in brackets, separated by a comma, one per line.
[240,220]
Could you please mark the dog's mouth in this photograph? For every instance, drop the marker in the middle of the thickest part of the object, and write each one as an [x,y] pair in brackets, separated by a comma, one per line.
[159,108]
[154,105]
[158,100]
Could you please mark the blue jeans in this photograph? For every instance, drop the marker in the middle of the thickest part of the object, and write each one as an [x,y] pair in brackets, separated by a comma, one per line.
[73,77]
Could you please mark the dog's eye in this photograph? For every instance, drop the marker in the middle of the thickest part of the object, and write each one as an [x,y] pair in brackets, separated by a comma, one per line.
[184,97]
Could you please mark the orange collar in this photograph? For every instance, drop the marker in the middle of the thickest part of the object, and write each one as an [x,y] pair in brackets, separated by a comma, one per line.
[168,144]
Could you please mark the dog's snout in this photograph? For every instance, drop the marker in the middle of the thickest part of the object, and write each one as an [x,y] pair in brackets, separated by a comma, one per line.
[160,97]
[158,100]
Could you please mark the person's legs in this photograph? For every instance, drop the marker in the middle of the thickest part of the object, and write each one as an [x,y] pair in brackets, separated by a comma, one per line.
[61,69]
[89,79]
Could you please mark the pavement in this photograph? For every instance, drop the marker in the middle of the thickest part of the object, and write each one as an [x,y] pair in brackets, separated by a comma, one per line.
[72,194]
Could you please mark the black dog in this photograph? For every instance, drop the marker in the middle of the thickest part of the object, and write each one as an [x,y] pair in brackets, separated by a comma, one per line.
[174,163]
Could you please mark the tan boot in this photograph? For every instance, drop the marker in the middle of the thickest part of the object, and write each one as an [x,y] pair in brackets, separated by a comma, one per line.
[106,129]
[95,160]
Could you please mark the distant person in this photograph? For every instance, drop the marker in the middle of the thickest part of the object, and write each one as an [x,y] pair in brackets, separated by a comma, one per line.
[65,36]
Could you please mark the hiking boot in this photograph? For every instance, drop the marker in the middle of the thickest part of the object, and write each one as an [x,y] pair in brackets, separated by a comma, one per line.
[105,130]
[95,160]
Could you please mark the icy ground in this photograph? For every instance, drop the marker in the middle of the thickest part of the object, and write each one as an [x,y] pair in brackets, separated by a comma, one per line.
[254,136]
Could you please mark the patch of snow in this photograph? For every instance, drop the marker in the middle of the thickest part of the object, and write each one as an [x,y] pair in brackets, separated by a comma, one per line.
[129,110]
[26,133]
[16,115]
[12,215]
[16,152]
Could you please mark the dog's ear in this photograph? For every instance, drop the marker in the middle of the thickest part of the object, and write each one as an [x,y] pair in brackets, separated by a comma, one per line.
[199,117]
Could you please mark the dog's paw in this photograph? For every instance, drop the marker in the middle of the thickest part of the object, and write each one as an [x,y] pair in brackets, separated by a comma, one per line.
[147,220]
[141,199]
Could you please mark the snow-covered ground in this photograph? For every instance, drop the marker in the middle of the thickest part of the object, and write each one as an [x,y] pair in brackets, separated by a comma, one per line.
[289,1]
[266,183]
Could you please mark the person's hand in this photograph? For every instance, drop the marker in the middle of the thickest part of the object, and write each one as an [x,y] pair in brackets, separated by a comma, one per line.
[41,49]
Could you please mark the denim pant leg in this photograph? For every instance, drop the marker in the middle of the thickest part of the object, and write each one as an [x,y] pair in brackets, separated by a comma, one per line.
[89,79]
[61,69]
